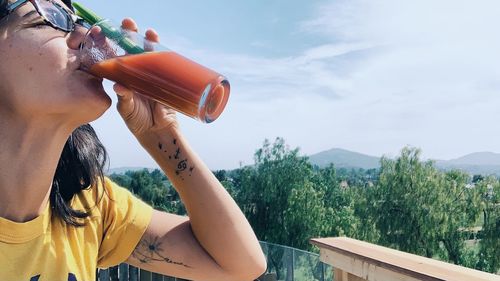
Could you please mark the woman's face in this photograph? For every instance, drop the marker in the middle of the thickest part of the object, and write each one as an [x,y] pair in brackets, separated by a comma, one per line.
[39,75]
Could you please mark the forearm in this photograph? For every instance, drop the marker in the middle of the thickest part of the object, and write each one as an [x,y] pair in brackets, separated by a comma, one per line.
[216,220]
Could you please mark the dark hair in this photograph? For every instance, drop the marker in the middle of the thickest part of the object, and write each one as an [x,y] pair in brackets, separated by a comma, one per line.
[81,166]
[3,8]
[68,3]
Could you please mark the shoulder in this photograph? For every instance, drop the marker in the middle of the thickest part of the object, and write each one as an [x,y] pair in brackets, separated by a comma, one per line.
[105,195]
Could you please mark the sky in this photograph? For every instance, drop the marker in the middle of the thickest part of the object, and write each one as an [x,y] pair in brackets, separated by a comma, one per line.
[367,76]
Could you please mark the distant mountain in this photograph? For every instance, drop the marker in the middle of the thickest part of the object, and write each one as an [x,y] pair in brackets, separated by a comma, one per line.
[478,158]
[484,163]
[344,159]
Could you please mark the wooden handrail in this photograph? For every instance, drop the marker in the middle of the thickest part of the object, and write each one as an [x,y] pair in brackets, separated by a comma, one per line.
[355,260]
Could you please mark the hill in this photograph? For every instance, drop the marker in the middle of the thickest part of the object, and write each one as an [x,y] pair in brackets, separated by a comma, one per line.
[484,163]
[342,158]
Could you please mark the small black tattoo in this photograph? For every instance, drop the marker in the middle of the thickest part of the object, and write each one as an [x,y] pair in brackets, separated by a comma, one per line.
[169,157]
[175,141]
[160,145]
[182,165]
[149,250]
[191,170]
[177,152]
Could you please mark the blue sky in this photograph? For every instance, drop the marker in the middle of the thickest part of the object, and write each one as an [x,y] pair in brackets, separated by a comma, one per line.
[369,76]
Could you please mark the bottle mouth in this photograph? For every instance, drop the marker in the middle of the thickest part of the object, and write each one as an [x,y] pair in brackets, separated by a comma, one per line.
[213,100]
[96,47]
[106,40]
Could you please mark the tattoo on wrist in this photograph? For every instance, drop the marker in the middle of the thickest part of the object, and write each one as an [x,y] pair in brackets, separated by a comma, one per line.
[149,250]
[182,165]
[160,146]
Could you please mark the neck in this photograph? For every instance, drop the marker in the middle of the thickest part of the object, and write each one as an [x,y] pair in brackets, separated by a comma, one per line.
[29,154]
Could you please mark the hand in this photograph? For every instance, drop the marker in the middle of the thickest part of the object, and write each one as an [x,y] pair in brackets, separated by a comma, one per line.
[142,115]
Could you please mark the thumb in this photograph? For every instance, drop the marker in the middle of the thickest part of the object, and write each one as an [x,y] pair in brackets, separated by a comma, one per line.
[122,92]
[125,98]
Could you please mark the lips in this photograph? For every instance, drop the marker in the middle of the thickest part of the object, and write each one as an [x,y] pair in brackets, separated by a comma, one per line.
[82,69]
[91,75]
[77,65]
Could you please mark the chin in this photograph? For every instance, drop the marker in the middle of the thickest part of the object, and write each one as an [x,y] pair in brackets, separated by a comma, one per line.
[87,99]
[97,109]
[90,106]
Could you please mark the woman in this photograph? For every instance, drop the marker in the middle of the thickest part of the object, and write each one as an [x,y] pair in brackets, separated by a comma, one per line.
[60,218]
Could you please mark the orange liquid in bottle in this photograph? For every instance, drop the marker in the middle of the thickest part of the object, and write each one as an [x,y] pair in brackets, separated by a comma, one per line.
[170,79]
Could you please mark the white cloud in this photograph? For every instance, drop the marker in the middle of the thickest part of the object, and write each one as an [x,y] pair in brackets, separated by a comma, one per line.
[389,73]
[435,80]
[310,73]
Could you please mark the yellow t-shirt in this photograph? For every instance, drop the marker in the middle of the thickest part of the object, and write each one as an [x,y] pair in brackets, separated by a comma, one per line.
[47,249]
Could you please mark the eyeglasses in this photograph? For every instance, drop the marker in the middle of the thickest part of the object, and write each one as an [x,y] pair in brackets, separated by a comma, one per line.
[52,13]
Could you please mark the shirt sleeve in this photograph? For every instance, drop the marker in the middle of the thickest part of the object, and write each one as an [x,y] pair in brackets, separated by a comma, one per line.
[124,220]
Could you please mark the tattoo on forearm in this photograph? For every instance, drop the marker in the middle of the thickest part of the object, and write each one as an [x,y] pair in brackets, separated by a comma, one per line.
[160,146]
[182,165]
[149,250]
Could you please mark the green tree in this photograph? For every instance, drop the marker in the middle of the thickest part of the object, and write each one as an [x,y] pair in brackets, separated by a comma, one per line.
[421,210]
[121,180]
[227,181]
[280,200]
[152,187]
[489,245]
[363,198]
[458,208]
[402,204]
[266,190]
[339,218]
[305,216]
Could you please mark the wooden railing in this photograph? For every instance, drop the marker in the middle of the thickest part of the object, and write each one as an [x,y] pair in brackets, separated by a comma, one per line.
[354,260]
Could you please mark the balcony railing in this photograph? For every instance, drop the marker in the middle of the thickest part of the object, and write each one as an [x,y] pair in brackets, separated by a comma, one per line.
[354,260]
[340,259]
[284,263]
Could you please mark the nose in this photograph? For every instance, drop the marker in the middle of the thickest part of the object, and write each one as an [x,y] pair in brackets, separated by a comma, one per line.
[76,37]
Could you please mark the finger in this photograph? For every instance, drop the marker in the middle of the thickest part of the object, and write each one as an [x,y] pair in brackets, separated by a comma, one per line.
[125,99]
[152,38]
[128,23]
[97,35]
[152,35]
[123,93]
